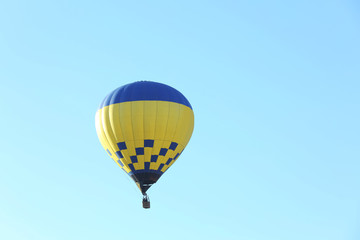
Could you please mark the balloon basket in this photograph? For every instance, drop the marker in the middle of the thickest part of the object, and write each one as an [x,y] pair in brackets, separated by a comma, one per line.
[146,201]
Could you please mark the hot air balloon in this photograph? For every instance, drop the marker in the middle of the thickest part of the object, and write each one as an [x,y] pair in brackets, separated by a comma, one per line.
[144,127]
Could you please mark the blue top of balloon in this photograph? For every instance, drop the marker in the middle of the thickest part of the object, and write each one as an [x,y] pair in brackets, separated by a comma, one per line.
[145,91]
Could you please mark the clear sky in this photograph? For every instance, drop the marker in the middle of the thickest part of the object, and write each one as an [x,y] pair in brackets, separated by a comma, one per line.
[275,85]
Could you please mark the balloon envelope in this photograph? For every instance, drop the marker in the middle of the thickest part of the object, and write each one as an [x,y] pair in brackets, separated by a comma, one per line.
[144,127]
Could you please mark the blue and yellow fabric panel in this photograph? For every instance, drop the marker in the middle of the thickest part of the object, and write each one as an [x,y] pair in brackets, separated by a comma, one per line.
[144,126]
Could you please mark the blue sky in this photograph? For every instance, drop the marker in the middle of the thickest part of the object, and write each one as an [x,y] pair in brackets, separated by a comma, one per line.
[275,90]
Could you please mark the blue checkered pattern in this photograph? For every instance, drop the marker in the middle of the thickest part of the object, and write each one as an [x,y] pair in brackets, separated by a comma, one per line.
[148,143]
